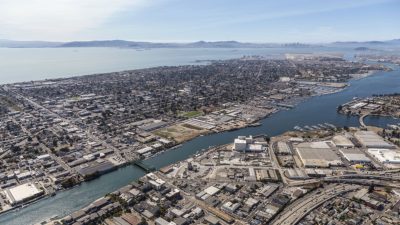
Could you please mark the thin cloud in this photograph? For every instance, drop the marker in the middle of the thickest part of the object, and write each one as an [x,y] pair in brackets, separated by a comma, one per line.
[273,13]
[57,19]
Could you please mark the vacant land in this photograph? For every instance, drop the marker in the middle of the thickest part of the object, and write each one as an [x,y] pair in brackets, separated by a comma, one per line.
[192,114]
[180,132]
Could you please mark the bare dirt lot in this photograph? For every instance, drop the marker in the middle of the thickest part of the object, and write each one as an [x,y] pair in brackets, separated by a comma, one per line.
[180,132]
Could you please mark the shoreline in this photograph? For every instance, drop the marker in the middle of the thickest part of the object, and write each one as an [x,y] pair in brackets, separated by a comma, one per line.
[178,144]
[163,175]
[26,204]
[181,143]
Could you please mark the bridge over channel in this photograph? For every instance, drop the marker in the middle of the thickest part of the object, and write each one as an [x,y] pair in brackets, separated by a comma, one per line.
[145,167]
[361,120]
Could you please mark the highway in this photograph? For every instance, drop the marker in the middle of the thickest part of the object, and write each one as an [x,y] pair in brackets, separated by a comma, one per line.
[355,178]
[293,213]
[364,182]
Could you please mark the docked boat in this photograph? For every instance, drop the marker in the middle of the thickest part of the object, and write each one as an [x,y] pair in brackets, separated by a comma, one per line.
[330,125]
[308,127]
[255,124]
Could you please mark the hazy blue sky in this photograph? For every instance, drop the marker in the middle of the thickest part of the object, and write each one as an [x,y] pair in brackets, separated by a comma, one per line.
[192,20]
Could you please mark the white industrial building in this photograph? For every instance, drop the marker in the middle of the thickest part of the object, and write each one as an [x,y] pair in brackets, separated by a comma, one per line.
[354,156]
[358,105]
[211,190]
[387,156]
[371,139]
[240,143]
[247,144]
[155,182]
[145,150]
[230,207]
[22,193]
[44,157]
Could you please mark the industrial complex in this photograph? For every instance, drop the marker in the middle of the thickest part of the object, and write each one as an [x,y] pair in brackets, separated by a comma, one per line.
[251,181]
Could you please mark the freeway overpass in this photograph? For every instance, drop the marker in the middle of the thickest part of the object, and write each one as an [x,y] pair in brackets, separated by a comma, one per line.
[297,210]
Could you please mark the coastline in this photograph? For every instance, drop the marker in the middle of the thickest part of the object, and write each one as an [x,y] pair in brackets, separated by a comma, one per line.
[209,133]
[162,172]
[27,204]
[177,144]
[300,100]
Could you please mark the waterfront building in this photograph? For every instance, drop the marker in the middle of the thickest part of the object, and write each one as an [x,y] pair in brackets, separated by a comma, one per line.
[387,156]
[370,139]
[22,193]
[247,144]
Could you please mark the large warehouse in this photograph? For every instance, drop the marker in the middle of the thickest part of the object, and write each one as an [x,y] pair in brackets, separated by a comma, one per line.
[387,156]
[355,156]
[247,144]
[371,139]
[283,148]
[317,154]
[342,142]
[23,193]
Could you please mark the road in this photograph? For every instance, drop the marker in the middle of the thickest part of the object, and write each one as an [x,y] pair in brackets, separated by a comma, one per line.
[361,120]
[52,155]
[293,213]
[364,182]
[221,214]
[90,135]
[57,159]
[275,162]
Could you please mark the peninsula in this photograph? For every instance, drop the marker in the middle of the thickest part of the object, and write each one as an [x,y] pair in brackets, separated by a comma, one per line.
[58,133]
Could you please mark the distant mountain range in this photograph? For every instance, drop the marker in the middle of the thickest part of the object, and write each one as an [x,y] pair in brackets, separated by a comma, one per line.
[199,44]
[28,44]
[394,41]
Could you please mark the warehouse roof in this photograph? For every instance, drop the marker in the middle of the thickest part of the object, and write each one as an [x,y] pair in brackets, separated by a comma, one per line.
[385,155]
[372,140]
[283,148]
[211,190]
[22,192]
[317,154]
[342,141]
[354,155]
